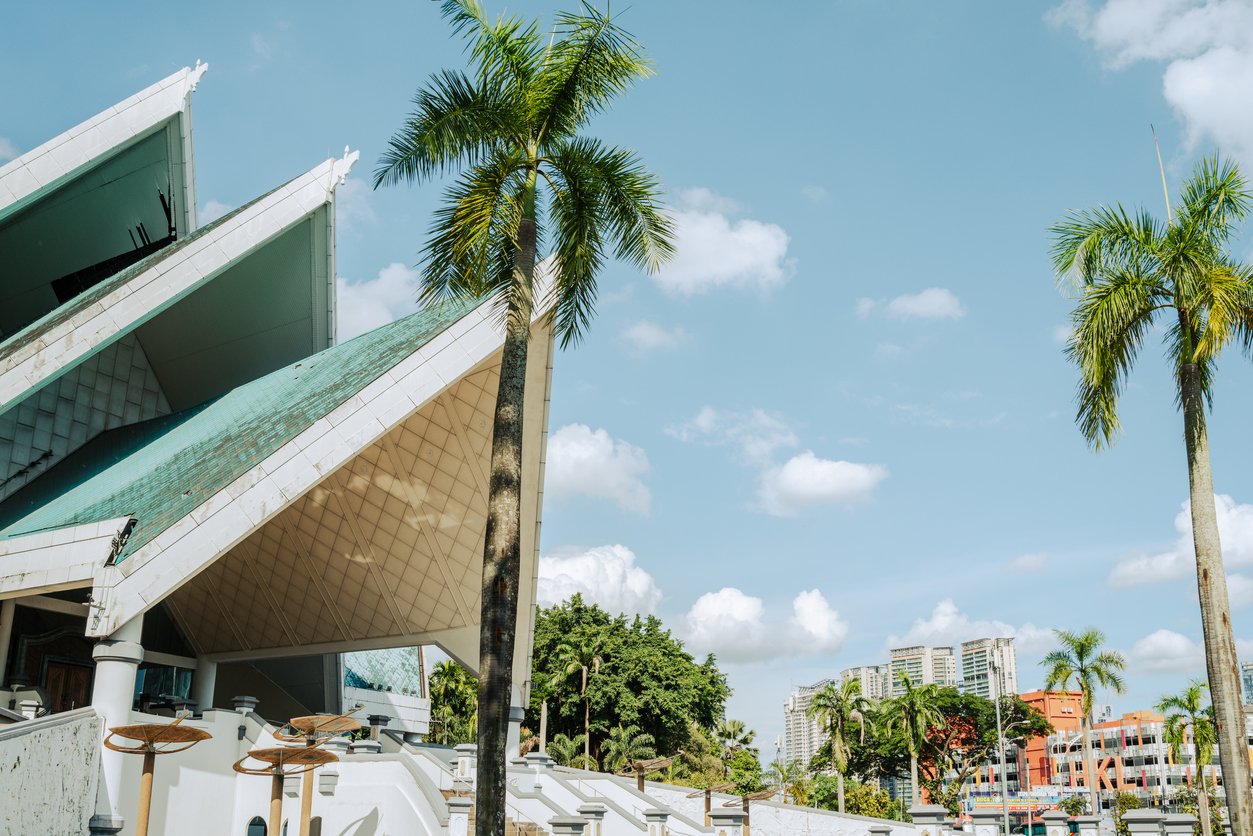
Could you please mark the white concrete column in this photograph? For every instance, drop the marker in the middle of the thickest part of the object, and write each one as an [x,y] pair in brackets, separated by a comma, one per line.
[117,660]
[595,815]
[656,821]
[1089,825]
[567,826]
[459,815]
[7,607]
[513,742]
[727,822]
[1056,823]
[203,681]
[987,823]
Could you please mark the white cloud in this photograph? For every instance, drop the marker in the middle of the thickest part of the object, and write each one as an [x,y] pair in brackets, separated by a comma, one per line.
[352,204]
[757,433]
[606,575]
[212,210]
[947,625]
[1035,562]
[1239,591]
[715,251]
[932,303]
[592,463]
[1208,78]
[649,336]
[8,150]
[1235,532]
[735,626]
[806,480]
[865,307]
[1166,651]
[364,306]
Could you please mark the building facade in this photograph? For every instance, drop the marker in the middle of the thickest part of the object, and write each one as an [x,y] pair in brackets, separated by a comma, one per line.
[923,665]
[873,679]
[802,736]
[989,667]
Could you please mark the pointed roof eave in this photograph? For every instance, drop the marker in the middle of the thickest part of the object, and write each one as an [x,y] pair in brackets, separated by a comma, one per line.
[92,320]
[41,170]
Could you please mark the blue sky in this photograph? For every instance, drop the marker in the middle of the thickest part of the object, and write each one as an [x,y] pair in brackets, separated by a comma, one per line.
[842,417]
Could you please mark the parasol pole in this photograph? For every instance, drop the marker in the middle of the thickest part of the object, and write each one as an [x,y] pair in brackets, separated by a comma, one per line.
[276,801]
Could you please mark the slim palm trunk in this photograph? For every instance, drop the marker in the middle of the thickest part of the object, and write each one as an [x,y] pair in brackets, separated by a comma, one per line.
[502,556]
[916,793]
[1220,644]
[1202,805]
[587,730]
[1089,765]
[839,784]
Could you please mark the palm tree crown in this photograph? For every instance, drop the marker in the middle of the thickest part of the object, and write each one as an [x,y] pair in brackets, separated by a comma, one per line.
[1187,716]
[625,745]
[837,709]
[1081,662]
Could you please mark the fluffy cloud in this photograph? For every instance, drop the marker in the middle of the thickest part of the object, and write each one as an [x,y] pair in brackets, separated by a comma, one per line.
[364,306]
[1166,651]
[947,625]
[1239,591]
[212,210]
[1035,562]
[806,480]
[735,626]
[8,150]
[932,303]
[352,204]
[1235,532]
[649,336]
[1208,78]
[593,463]
[757,433]
[606,575]
[715,251]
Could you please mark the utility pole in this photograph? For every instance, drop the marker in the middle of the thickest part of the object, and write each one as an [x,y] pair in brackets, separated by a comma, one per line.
[1000,745]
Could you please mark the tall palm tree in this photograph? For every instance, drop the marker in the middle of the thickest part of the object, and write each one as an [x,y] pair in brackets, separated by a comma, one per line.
[625,745]
[582,658]
[512,127]
[791,779]
[1187,717]
[914,714]
[732,736]
[565,751]
[1081,662]
[837,709]
[1134,274]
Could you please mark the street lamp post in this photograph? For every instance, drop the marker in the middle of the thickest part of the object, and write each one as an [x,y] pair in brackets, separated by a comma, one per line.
[1000,745]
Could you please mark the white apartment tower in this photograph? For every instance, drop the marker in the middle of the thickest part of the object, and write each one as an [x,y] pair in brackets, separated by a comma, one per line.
[980,658]
[923,665]
[801,735]
[873,678]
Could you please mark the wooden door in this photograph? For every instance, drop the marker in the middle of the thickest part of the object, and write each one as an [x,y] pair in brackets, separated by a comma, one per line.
[68,685]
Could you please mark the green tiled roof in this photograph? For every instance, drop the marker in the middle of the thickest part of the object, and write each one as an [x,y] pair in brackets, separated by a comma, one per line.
[68,310]
[160,471]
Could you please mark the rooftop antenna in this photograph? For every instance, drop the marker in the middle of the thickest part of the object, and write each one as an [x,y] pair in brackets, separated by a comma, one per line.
[1169,219]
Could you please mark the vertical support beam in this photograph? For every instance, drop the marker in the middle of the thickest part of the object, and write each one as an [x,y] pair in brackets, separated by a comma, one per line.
[513,744]
[7,608]
[203,681]
[117,660]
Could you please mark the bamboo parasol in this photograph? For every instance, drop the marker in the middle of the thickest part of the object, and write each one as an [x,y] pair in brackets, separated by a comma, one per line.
[760,795]
[708,793]
[153,739]
[280,762]
[313,730]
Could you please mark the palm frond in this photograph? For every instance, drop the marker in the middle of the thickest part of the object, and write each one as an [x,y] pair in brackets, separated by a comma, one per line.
[1224,296]
[508,51]
[1089,242]
[1213,199]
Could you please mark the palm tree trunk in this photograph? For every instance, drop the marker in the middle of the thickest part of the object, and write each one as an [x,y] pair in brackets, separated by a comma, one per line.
[1211,579]
[587,730]
[1202,805]
[915,790]
[502,554]
[1089,765]
[839,784]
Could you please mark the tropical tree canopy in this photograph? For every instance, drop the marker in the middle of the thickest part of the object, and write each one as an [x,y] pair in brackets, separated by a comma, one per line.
[1080,663]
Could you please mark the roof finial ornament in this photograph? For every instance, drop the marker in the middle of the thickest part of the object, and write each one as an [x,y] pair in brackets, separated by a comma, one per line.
[196,73]
[341,167]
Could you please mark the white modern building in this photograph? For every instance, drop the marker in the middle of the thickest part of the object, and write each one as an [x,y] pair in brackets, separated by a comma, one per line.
[873,679]
[802,735]
[989,667]
[923,665]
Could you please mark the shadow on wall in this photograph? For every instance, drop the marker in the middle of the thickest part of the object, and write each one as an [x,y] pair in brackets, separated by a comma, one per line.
[367,825]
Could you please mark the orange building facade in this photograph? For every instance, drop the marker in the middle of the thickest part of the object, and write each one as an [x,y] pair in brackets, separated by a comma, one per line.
[1064,710]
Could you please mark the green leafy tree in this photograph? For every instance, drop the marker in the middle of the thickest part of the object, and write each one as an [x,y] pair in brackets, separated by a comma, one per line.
[625,745]
[735,737]
[1188,719]
[699,762]
[838,709]
[913,714]
[744,771]
[860,799]
[565,751]
[1073,805]
[1123,802]
[791,779]
[512,127]
[1134,275]
[1082,664]
[1188,800]
[582,658]
[454,697]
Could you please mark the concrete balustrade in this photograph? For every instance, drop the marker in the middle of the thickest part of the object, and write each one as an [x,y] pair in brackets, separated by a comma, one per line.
[727,822]
[1056,823]
[459,815]
[656,821]
[987,823]
[595,815]
[1145,821]
[567,826]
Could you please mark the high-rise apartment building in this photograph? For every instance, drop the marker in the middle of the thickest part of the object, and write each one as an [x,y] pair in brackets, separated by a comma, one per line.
[989,667]
[802,736]
[923,665]
[1246,681]
[873,678]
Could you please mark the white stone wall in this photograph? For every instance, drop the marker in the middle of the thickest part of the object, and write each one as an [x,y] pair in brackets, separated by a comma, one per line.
[48,773]
[111,389]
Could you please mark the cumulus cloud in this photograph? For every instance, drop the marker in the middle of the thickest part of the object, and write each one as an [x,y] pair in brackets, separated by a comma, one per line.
[948,625]
[756,433]
[649,336]
[1235,532]
[8,150]
[1166,651]
[735,626]
[932,303]
[715,250]
[1239,591]
[364,306]
[583,461]
[212,210]
[806,480]
[606,575]
[353,208]
[865,307]
[1035,562]
[1205,44]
